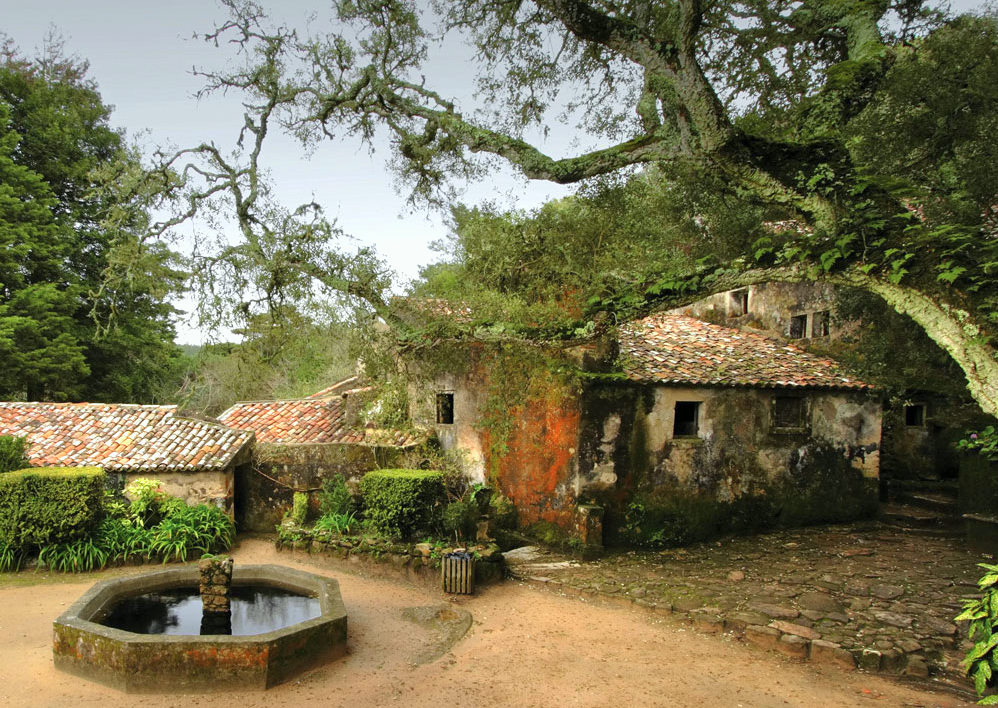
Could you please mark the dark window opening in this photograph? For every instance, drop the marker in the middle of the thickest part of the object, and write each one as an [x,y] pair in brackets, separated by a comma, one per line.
[798,326]
[445,408]
[687,420]
[820,324]
[914,415]
[789,412]
[739,302]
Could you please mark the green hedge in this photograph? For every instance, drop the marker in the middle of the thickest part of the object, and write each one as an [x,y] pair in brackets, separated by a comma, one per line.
[45,505]
[12,453]
[402,503]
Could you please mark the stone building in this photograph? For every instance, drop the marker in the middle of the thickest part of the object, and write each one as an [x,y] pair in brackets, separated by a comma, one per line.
[700,429]
[196,460]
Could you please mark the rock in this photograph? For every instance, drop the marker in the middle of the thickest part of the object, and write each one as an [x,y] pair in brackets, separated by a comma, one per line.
[851,552]
[736,576]
[793,646]
[685,604]
[909,646]
[869,659]
[886,592]
[738,621]
[774,611]
[892,661]
[707,622]
[795,629]
[916,666]
[831,654]
[894,619]
[818,602]
[765,637]
[937,626]
[860,603]
[524,554]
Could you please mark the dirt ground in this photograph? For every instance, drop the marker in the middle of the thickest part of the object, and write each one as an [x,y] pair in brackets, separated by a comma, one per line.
[524,648]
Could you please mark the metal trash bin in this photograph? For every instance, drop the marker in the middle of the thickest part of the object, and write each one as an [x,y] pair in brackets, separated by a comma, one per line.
[458,573]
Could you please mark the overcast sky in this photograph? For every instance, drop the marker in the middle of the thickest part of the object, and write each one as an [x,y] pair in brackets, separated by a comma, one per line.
[141,53]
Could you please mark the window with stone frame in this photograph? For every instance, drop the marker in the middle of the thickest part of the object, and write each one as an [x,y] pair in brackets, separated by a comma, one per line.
[739,303]
[789,413]
[820,323]
[686,421]
[914,415]
[798,327]
[445,408]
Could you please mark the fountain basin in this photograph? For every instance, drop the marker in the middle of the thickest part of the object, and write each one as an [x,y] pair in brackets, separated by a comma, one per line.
[196,663]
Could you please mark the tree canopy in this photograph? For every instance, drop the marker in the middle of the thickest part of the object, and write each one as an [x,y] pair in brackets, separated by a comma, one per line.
[856,132]
[68,331]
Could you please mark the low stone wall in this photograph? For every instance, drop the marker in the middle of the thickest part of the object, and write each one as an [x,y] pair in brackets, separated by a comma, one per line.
[194,487]
[264,489]
[418,562]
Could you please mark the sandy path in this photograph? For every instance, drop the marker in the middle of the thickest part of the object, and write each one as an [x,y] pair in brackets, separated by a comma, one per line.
[525,648]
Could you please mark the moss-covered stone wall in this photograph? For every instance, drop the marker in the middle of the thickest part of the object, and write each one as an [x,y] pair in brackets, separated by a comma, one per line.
[264,489]
[739,472]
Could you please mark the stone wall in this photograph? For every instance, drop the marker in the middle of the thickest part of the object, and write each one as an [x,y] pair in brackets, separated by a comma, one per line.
[264,489]
[214,488]
[739,472]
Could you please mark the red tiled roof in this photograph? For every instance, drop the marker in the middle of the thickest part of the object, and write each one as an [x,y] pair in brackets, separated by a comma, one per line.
[120,437]
[309,420]
[676,349]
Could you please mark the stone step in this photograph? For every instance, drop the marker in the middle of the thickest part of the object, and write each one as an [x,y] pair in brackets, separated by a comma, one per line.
[941,502]
[908,516]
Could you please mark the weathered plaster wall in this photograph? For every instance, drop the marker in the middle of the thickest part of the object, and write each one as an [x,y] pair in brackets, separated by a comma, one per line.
[469,391]
[213,488]
[738,462]
[770,307]
[264,489]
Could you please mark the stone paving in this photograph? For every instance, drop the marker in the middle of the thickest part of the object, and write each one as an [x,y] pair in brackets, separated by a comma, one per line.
[865,595]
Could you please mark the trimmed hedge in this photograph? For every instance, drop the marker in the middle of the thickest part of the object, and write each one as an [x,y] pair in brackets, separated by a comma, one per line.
[401,503]
[12,453]
[40,506]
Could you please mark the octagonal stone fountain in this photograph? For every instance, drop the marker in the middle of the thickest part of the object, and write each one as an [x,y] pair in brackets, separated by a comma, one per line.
[146,633]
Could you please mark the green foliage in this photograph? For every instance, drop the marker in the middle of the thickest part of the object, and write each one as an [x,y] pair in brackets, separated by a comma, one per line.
[10,558]
[80,556]
[12,453]
[123,539]
[402,503]
[44,506]
[503,511]
[64,325]
[299,508]
[335,497]
[981,662]
[461,518]
[147,499]
[191,531]
[984,442]
[337,522]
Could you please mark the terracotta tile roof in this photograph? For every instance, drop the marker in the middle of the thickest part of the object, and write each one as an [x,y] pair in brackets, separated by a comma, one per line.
[120,437]
[308,420]
[683,350]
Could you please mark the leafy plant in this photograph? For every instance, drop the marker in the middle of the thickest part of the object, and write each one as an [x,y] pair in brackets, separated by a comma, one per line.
[147,498]
[10,558]
[299,508]
[80,556]
[460,517]
[336,523]
[983,441]
[335,496]
[122,539]
[12,453]
[981,661]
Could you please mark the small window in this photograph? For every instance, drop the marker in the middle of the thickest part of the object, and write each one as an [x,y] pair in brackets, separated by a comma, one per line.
[445,408]
[739,303]
[798,326]
[914,415]
[820,324]
[789,412]
[687,419]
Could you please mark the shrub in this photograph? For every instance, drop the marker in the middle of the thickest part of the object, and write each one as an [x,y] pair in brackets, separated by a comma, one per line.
[147,501]
[79,556]
[335,497]
[123,539]
[49,505]
[190,531]
[299,508]
[402,502]
[461,518]
[12,453]
[336,523]
[10,558]
[981,661]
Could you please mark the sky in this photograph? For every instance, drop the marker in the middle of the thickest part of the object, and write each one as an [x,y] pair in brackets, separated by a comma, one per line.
[142,53]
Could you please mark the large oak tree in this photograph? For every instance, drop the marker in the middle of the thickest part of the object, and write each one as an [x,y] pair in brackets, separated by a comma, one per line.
[858,127]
